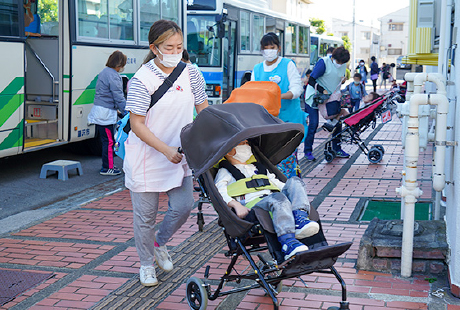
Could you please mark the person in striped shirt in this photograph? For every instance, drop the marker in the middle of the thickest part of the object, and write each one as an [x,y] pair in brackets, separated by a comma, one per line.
[153,163]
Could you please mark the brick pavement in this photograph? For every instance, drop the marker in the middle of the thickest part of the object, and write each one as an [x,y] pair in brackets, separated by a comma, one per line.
[91,251]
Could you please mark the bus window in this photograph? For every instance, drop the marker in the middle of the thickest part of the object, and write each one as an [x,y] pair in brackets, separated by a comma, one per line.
[270,24]
[149,13]
[257,31]
[201,5]
[170,10]
[92,19]
[244,31]
[203,45]
[48,17]
[121,20]
[9,24]
[291,39]
[303,40]
[112,19]
[323,49]
[313,50]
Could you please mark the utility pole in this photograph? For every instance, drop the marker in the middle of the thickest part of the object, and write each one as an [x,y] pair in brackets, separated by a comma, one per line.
[353,57]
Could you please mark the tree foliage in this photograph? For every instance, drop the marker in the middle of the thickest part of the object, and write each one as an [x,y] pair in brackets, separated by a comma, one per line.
[319,24]
[48,10]
[346,43]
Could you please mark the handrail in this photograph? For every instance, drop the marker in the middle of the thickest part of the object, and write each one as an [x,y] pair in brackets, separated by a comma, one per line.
[46,69]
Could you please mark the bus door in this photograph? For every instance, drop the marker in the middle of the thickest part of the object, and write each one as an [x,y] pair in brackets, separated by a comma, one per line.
[229,50]
[42,102]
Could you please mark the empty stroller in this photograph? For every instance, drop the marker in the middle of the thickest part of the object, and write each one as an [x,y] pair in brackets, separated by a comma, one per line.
[357,122]
[216,131]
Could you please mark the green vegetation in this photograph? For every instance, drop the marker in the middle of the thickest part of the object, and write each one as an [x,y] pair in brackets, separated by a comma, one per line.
[319,24]
[346,43]
[48,10]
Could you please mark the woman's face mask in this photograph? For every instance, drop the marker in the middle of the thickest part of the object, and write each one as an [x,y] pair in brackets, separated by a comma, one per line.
[242,153]
[270,54]
[169,60]
[361,64]
[336,64]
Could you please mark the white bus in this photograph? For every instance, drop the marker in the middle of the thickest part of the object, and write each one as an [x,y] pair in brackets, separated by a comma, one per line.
[52,56]
[319,45]
[223,39]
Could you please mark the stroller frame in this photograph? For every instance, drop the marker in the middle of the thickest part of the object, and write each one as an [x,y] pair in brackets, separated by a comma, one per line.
[268,274]
[350,133]
[271,140]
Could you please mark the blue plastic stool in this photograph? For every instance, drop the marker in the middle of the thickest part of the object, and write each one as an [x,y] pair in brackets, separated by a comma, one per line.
[62,167]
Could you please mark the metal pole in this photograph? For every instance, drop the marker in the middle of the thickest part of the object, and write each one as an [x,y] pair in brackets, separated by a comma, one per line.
[353,59]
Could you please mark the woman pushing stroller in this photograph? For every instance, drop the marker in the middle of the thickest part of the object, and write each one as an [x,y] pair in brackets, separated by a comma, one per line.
[245,183]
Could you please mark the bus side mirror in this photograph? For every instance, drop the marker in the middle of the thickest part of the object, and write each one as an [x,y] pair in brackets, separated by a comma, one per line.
[220,20]
[220,30]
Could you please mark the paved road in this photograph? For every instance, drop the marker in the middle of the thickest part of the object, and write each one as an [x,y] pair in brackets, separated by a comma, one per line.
[21,189]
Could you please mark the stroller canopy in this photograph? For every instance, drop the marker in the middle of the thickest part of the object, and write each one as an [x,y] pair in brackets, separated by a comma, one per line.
[219,128]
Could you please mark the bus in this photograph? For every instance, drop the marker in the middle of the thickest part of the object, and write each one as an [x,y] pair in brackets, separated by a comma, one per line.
[223,39]
[53,51]
[319,45]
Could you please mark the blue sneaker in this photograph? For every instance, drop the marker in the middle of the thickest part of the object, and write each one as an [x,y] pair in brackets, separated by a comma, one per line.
[291,246]
[309,156]
[342,154]
[303,226]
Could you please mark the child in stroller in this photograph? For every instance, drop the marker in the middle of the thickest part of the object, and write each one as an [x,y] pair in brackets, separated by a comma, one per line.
[244,186]
[213,134]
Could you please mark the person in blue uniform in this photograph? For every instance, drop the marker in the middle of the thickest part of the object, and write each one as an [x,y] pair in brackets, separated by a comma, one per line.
[327,76]
[282,71]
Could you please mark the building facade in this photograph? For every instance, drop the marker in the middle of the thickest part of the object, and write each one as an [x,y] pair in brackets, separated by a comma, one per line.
[433,38]
[295,8]
[367,38]
[394,35]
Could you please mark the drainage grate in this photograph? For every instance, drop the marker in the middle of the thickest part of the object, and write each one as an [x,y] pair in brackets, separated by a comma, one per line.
[13,283]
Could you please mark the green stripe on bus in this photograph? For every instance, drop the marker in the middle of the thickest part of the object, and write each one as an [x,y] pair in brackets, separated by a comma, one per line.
[15,138]
[87,97]
[10,100]
[66,76]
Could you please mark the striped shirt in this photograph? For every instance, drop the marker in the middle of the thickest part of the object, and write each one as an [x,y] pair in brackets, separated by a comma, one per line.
[139,98]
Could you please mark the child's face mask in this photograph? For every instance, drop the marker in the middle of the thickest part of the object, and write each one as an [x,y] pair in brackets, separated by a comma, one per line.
[242,153]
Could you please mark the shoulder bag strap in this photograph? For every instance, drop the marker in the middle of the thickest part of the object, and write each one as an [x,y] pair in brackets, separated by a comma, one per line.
[167,83]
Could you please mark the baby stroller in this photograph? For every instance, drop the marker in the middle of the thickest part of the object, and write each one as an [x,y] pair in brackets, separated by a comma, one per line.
[216,131]
[357,122]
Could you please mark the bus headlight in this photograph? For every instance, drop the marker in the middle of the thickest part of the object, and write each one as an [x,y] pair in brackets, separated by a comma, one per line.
[213,90]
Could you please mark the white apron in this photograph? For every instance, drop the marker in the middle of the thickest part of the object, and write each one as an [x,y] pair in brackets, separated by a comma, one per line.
[146,169]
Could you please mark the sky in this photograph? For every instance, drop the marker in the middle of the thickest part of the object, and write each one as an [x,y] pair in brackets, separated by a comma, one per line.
[366,10]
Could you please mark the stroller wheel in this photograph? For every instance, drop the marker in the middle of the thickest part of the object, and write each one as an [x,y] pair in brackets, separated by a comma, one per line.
[380,147]
[197,295]
[375,155]
[329,156]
